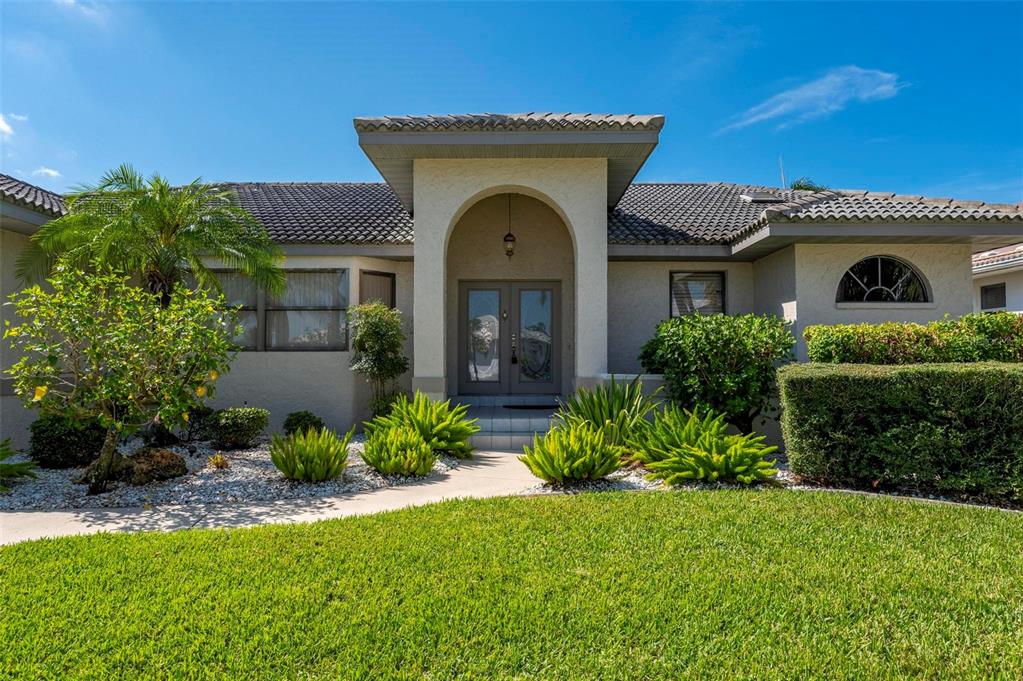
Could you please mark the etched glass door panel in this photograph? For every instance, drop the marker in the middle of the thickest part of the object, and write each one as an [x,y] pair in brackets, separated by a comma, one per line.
[536,335]
[483,336]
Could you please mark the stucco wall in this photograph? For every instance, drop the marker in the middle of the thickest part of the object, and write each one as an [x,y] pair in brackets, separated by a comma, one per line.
[819,267]
[320,382]
[774,279]
[638,297]
[543,251]
[576,189]
[1013,289]
[14,418]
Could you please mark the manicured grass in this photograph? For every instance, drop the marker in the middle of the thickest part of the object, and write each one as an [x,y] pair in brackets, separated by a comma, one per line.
[728,584]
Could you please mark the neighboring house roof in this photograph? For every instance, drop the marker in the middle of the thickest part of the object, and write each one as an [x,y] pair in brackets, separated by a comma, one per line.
[493,122]
[998,258]
[327,212]
[35,198]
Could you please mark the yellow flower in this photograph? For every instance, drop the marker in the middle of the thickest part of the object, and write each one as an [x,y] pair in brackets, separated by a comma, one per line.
[40,393]
[201,391]
[13,331]
[185,417]
[214,375]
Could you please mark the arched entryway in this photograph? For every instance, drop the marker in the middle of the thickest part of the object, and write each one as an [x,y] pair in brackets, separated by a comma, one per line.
[510,320]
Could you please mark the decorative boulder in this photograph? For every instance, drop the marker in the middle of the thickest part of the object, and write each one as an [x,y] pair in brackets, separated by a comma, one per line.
[144,466]
[150,465]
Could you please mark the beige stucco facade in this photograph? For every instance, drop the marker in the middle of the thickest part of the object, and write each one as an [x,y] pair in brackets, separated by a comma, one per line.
[446,189]
[14,418]
[946,269]
[638,298]
[543,252]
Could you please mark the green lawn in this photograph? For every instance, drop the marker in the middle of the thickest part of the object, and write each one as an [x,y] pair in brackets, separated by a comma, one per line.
[729,584]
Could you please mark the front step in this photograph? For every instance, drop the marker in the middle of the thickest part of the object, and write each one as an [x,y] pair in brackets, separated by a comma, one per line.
[511,425]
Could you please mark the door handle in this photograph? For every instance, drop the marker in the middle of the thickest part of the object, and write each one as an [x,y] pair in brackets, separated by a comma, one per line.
[514,357]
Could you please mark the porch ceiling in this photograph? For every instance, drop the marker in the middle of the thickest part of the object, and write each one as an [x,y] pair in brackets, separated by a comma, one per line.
[392,143]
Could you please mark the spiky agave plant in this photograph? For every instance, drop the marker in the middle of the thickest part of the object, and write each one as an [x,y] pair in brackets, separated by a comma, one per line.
[21,469]
[620,409]
[733,458]
[311,455]
[443,427]
[672,430]
[398,450]
[573,452]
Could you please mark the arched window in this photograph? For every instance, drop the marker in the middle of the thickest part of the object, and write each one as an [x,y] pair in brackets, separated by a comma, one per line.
[882,279]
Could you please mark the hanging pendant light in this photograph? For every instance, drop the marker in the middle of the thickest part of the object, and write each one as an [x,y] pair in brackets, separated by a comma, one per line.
[509,238]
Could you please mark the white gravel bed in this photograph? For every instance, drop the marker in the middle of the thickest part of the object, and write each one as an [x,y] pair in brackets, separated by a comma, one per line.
[623,480]
[250,476]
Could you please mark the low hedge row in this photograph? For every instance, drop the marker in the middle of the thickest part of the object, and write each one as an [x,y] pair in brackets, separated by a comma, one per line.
[994,337]
[954,429]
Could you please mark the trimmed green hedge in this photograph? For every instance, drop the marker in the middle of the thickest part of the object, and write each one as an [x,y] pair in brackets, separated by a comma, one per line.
[996,337]
[954,429]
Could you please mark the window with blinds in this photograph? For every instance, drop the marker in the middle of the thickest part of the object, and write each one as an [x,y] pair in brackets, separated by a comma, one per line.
[702,292]
[311,313]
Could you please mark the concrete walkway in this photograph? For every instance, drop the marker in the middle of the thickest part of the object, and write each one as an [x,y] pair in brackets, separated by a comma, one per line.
[487,474]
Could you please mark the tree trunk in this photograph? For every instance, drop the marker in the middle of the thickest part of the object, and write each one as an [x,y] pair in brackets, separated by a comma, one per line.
[104,464]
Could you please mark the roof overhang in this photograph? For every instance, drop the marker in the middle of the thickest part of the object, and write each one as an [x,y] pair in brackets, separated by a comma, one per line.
[774,236]
[17,218]
[1003,267]
[393,152]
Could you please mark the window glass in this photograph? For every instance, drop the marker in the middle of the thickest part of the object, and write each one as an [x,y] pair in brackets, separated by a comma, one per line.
[311,314]
[702,292]
[881,279]
[992,297]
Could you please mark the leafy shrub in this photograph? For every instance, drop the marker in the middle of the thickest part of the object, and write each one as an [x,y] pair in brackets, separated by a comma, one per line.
[56,441]
[971,338]
[720,362]
[199,423]
[377,349]
[238,427]
[621,409]
[579,451]
[398,450]
[732,458]
[301,421]
[947,428]
[443,428]
[310,455]
[672,430]
[9,471]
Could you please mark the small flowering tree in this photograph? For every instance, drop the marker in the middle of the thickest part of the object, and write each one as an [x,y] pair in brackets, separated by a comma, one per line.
[97,346]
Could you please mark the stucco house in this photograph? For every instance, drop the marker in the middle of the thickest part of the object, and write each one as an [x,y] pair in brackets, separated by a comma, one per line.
[998,279]
[528,263]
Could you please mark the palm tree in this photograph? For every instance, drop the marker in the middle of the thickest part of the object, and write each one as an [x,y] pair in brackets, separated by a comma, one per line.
[158,231]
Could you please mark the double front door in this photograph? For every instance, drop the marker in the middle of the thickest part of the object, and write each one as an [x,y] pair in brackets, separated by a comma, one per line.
[508,337]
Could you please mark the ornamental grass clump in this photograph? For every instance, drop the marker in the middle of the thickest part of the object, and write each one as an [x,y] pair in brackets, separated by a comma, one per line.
[620,409]
[445,429]
[311,455]
[398,450]
[573,452]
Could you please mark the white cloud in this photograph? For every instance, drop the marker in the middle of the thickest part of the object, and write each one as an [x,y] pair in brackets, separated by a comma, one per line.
[832,92]
[5,128]
[43,171]
[19,118]
[93,11]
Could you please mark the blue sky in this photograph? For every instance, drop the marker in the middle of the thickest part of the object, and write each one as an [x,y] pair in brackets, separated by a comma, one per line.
[914,98]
